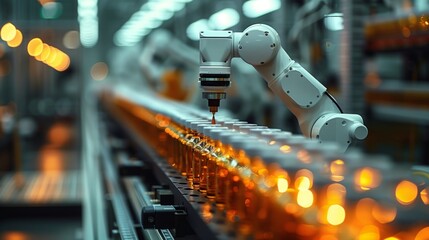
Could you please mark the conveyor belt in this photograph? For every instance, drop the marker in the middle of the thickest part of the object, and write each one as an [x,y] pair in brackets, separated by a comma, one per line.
[40,188]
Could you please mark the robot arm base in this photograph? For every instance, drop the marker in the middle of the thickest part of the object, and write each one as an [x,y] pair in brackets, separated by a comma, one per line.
[340,128]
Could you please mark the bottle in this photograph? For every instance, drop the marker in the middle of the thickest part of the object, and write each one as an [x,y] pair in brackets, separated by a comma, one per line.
[204,153]
[175,131]
[269,188]
[198,157]
[231,193]
[188,145]
[193,145]
[185,135]
[213,157]
[222,165]
[246,202]
[256,191]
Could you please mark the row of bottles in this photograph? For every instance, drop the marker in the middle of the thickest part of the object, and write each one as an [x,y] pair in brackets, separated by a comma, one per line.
[273,185]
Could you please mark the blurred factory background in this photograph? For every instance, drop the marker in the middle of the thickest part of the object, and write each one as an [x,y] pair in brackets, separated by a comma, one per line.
[59,57]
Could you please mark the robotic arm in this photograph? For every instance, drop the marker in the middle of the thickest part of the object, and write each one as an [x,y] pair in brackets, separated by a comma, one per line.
[259,45]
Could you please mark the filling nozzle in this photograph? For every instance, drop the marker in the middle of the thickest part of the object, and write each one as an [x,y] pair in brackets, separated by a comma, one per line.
[213,100]
[213,107]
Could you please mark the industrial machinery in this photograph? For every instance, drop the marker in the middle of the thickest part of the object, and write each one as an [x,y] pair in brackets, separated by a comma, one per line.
[318,113]
[163,50]
[169,173]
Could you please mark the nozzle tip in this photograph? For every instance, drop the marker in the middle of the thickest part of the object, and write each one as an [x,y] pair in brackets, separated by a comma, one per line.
[213,109]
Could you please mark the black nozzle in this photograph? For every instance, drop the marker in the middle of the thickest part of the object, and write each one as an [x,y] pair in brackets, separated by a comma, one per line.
[213,102]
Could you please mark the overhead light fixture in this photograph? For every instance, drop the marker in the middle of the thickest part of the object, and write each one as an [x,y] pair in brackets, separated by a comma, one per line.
[150,16]
[334,21]
[224,19]
[88,22]
[194,29]
[257,8]
[172,6]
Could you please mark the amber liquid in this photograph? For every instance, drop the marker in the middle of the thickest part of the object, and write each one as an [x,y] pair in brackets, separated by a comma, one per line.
[205,151]
[222,176]
[189,159]
[196,162]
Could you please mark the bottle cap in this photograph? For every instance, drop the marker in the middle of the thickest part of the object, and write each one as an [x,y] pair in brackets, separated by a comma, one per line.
[271,135]
[193,124]
[215,133]
[230,123]
[224,120]
[236,126]
[200,127]
[258,131]
[247,128]
[206,129]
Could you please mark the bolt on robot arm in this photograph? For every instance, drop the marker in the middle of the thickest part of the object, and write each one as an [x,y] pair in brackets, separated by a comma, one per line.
[259,45]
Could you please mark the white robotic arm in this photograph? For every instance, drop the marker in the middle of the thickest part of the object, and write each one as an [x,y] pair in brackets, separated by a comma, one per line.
[318,114]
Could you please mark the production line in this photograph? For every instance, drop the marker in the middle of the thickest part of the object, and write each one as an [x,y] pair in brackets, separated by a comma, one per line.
[237,180]
[184,119]
[231,179]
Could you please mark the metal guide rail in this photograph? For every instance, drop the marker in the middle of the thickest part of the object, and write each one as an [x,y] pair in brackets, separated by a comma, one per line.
[238,180]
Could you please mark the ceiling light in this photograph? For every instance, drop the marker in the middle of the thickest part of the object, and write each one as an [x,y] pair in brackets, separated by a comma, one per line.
[194,29]
[88,22]
[151,15]
[257,8]
[225,18]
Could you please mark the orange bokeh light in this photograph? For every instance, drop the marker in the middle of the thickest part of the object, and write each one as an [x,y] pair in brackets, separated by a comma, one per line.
[423,234]
[52,55]
[60,134]
[35,47]
[367,178]
[45,52]
[51,161]
[363,210]
[8,32]
[16,41]
[337,170]
[304,179]
[369,232]
[384,213]
[424,195]
[336,214]
[282,184]
[336,194]
[305,198]
[406,192]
